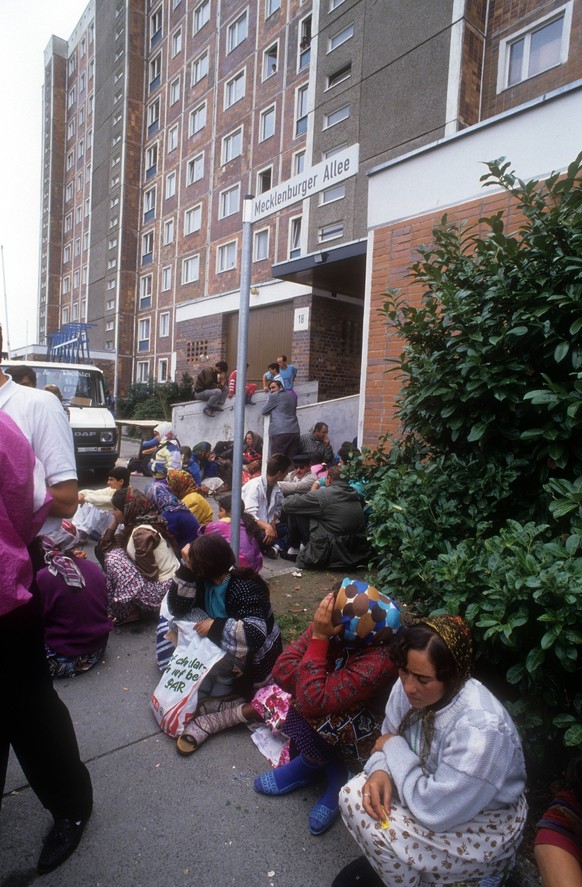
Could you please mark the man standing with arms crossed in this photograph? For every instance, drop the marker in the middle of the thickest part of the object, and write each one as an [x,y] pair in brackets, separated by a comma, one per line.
[31,706]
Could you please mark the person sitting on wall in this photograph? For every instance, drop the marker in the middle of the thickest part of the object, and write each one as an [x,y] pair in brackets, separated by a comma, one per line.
[250,387]
[210,386]
[337,529]
[271,375]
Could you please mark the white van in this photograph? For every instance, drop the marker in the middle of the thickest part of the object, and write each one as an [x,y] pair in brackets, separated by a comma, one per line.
[83,389]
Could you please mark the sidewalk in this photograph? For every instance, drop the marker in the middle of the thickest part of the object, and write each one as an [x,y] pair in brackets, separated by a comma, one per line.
[160,819]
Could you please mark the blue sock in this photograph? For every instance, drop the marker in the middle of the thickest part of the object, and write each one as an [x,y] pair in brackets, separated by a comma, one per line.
[295,774]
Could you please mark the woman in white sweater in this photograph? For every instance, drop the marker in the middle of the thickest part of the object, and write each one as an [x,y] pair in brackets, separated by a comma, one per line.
[441,799]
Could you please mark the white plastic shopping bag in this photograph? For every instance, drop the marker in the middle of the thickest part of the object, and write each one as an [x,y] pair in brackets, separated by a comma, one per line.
[175,698]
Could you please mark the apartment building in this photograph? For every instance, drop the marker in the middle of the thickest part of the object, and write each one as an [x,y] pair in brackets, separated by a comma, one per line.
[189,105]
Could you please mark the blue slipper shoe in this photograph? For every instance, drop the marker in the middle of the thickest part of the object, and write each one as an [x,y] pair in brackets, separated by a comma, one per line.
[265,784]
[321,818]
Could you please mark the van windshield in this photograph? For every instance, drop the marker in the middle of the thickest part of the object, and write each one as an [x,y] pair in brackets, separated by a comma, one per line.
[80,387]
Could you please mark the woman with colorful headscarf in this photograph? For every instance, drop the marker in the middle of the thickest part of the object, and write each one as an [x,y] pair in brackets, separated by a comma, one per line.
[139,560]
[182,524]
[183,486]
[208,467]
[441,799]
[333,682]
[73,600]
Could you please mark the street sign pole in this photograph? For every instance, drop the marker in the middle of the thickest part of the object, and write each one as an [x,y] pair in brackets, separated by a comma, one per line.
[241,372]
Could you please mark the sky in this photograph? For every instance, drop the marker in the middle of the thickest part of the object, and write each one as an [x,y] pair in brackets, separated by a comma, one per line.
[26,29]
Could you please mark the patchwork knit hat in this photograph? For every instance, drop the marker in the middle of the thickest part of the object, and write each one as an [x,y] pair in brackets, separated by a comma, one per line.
[368,616]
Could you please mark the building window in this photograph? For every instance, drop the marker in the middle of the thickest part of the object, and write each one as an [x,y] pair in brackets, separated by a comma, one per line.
[153,117]
[170,185]
[192,219]
[71,98]
[69,222]
[229,201]
[305,43]
[80,181]
[175,91]
[110,286]
[156,27]
[271,6]
[85,241]
[172,138]
[70,160]
[197,119]
[232,146]
[71,128]
[111,264]
[270,56]
[66,289]
[81,148]
[151,160]
[333,4]
[195,169]
[69,191]
[338,192]
[81,116]
[298,162]
[147,248]
[301,110]
[234,89]
[78,214]
[341,37]
[190,269]
[264,180]
[176,42]
[72,64]
[76,304]
[164,324]
[168,231]
[331,232]
[77,246]
[149,205]
[143,334]
[145,292]
[335,117]
[109,326]
[155,71]
[201,15]
[163,370]
[267,124]
[67,253]
[226,257]
[237,32]
[143,371]
[261,245]
[166,279]
[110,303]
[532,50]
[339,76]
[66,310]
[199,68]
[295,237]
[85,276]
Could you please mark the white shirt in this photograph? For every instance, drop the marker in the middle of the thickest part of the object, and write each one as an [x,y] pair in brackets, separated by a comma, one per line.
[254,496]
[42,420]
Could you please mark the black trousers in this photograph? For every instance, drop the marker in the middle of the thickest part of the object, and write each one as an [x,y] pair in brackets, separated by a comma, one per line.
[35,721]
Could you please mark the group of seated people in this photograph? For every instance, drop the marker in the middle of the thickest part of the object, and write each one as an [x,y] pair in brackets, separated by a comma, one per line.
[421,761]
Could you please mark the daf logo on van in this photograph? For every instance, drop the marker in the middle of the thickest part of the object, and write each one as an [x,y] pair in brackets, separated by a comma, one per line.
[84,433]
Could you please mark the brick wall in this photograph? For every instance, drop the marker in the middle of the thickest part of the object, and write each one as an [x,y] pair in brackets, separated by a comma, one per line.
[394,250]
[206,329]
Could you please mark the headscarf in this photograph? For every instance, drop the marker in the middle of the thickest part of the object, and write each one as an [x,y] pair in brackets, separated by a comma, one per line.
[455,634]
[58,563]
[163,429]
[159,469]
[202,447]
[368,616]
[162,498]
[181,482]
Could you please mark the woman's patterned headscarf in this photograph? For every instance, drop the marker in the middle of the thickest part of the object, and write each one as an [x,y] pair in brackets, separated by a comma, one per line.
[455,634]
[58,563]
[181,482]
[162,498]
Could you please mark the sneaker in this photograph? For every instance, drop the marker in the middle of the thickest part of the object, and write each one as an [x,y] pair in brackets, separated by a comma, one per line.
[292,550]
[272,552]
[208,412]
[61,841]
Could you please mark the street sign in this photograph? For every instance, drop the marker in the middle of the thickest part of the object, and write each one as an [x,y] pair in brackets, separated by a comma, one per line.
[317,178]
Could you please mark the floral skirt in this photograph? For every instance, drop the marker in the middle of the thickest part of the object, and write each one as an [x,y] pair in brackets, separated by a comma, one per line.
[128,588]
[69,666]
[406,853]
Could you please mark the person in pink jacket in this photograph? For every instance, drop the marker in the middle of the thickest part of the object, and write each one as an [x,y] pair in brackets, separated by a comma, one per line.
[250,533]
